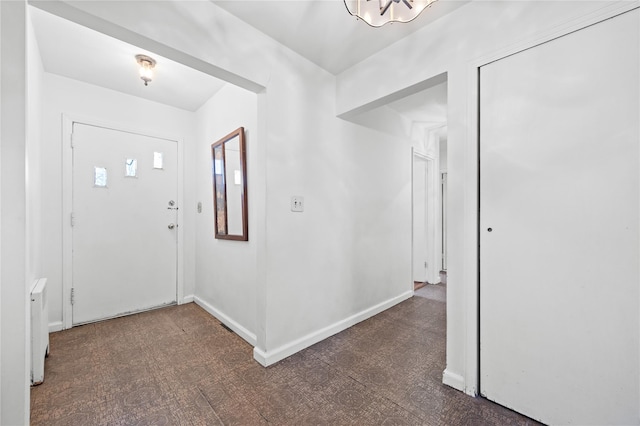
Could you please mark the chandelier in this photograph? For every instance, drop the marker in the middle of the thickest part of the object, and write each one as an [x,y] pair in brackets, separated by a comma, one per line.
[379,12]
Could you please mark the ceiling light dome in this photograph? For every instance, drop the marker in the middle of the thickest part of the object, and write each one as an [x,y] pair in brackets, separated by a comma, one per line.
[379,12]
[147,64]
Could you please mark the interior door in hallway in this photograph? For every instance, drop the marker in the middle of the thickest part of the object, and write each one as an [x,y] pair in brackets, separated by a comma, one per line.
[124,222]
[559,234]
[420,228]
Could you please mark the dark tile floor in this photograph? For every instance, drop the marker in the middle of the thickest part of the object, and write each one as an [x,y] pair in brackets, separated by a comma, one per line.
[433,291]
[179,366]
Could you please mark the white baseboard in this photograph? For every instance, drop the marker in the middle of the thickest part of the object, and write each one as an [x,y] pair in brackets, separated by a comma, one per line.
[223,318]
[267,358]
[55,326]
[454,380]
[187,299]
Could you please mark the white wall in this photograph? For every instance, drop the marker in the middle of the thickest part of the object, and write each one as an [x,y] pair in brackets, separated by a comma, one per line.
[85,101]
[33,178]
[457,44]
[387,120]
[226,281]
[351,248]
[33,158]
[424,135]
[14,288]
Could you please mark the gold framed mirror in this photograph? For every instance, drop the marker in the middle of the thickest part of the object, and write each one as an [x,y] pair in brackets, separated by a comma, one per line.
[230,187]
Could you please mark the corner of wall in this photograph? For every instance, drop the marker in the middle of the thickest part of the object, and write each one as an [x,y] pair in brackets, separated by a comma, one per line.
[15,337]
[267,358]
[241,331]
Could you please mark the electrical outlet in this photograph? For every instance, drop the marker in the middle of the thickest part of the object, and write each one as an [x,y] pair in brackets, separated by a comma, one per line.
[297,203]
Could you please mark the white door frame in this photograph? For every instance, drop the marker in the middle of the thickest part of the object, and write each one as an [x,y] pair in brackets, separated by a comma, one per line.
[433,226]
[67,207]
[469,382]
[443,222]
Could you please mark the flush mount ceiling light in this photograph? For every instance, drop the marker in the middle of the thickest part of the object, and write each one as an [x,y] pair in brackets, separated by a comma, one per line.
[379,12]
[146,68]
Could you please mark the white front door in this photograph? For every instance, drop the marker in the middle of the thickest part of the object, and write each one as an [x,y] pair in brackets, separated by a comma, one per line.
[559,227]
[124,222]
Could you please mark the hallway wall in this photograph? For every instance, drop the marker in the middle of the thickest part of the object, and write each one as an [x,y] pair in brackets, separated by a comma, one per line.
[14,225]
[225,270]
[33,153]
[348,255]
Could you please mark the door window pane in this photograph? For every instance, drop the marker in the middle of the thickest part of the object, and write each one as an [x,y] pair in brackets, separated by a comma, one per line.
[131,167]
[100,177]
[157,160]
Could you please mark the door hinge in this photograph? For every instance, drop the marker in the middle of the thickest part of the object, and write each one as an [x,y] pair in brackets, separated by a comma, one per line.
[72,135]
[73,296]
[73,220]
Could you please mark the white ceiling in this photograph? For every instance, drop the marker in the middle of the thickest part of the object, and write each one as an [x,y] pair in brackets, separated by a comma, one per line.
[320,30]
[77,52]
[324,32]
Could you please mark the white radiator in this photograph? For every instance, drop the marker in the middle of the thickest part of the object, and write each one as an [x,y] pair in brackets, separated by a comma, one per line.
[39,330]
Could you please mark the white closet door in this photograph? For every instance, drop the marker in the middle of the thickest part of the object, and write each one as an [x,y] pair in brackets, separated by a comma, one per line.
[559,234]
[124,235]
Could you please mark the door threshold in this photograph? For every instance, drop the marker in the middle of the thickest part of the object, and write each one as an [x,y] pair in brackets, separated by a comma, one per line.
[125,314]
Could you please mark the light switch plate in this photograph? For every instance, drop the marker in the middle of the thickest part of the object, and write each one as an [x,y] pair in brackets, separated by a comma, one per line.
[297,203]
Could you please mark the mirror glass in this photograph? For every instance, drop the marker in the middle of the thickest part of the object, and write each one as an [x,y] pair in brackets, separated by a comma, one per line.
[230,187]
